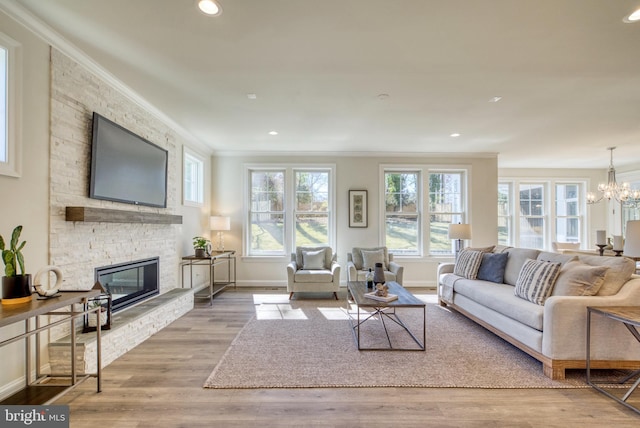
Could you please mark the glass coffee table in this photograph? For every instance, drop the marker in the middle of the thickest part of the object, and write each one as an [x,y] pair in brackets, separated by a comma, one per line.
[370,310]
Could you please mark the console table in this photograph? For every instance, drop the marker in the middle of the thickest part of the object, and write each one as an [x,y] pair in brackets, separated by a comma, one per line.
[216,258]
[38,391]
[630,317]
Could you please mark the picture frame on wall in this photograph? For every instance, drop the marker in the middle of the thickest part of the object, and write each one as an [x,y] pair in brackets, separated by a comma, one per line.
[358,213]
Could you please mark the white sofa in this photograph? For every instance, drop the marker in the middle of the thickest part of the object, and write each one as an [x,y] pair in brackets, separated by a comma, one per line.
[554,333]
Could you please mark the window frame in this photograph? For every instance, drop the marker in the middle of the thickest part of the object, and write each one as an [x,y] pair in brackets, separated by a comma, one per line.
[289,207]
[13,102]
[190,155]
[464,202]
[418,214]
[509,217]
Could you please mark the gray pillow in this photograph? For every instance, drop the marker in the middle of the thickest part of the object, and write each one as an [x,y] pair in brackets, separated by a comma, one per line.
[370,258]
[579,279]
[492,267]
[313,260]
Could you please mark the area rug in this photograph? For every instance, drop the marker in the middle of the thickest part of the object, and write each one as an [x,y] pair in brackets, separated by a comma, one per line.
[310,344]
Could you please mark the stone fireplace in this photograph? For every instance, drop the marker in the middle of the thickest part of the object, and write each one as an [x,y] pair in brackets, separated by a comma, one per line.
[130,283]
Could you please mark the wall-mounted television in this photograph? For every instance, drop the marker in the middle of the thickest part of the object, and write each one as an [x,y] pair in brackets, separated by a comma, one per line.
[125,167]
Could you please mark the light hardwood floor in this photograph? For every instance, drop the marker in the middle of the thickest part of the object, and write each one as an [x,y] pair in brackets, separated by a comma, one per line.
[159,384]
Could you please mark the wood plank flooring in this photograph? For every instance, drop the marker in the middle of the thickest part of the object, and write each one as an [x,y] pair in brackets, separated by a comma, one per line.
[159,384]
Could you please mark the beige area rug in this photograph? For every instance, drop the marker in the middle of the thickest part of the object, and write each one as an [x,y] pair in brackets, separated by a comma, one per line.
[310,344]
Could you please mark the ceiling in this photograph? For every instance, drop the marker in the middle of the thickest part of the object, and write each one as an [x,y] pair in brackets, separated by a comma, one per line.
[394,76]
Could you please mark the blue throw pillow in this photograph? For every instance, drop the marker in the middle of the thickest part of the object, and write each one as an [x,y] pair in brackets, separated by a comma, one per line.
[492,267]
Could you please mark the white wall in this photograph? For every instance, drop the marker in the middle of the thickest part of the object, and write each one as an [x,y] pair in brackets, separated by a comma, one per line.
[352,172]
[25,200]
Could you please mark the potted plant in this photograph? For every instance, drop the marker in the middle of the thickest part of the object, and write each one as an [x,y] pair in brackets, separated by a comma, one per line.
[200,245]
[16,288]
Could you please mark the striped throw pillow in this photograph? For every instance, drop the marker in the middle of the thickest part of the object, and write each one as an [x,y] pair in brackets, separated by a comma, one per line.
[536,279]
[468,263]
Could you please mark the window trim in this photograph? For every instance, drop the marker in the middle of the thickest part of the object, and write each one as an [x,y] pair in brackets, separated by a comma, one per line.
[186,154]
[13,166]
[289,211]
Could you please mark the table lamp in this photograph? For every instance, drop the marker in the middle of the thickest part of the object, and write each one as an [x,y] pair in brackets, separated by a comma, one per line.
[459,232]
[219,224]
[632,239]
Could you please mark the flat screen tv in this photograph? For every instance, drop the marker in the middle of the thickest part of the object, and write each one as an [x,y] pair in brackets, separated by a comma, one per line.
[125,167]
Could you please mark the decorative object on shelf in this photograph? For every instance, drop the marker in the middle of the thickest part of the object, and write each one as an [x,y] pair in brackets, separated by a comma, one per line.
[612,190]
[459,232]
[102,315]
[219,224]
[382,290]
[200,245]
[632,239]
[369,279]
[16,288]
[378,274]
[358,214]
[37,282]
[601,240]
[618,245]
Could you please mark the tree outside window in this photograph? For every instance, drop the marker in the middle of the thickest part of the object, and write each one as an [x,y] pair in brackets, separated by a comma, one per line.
[266,213]
[312,208]
[402,226]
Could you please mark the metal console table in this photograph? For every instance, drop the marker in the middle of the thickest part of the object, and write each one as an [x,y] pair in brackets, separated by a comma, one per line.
[630,317]
[216,258]
[38,391]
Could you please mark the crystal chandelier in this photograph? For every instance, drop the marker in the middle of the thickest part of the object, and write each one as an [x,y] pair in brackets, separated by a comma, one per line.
[612,190]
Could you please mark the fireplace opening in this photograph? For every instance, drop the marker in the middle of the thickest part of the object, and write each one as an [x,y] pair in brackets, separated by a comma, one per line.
[130,283]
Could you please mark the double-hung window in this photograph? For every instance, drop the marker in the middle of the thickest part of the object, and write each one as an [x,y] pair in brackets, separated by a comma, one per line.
[568,212]
[532,215]
[289,206]
[193,179]
[10,73]
[402,214]
[505,217]
[446,206]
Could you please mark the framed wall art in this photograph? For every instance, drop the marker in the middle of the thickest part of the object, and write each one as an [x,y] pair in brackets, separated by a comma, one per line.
[358,208]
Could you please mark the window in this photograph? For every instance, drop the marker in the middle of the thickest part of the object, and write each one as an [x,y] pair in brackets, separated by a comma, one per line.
[536,222]
[505,219]
[289,207]
[567,212]
[312,208]
[10,72]
[193,179]
[402,216]
[446,206]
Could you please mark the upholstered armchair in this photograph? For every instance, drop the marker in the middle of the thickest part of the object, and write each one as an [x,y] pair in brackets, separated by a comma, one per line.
[313,269]
[359,260]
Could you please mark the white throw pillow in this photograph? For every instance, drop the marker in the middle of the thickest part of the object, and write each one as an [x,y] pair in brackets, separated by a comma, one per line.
[370,258]
[536,280]
[468,263]
[313,260]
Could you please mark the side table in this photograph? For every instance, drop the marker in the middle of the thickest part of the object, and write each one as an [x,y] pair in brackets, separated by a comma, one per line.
[216,258]
[630,317]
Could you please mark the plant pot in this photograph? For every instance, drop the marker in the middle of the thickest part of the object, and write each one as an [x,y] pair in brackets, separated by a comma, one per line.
[16,289]
[201,252]
[93,319]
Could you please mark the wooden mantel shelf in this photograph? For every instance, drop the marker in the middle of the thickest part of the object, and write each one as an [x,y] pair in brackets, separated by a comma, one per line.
[90,214]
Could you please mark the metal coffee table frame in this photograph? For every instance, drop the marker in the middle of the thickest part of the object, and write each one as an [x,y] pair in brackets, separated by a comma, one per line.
[385,310]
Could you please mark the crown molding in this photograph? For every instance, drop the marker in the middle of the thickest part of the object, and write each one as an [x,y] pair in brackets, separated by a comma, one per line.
[379,154]
[38,27]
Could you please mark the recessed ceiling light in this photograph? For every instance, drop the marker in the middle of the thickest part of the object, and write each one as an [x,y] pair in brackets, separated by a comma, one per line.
[634,17]
[273,132]
[454,135]
[494,99]
[252,96]
[210,7]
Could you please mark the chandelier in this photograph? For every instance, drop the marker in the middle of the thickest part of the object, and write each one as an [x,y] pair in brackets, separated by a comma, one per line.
[612,190]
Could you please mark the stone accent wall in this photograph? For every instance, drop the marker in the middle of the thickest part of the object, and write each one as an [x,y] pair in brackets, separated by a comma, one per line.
[78,248]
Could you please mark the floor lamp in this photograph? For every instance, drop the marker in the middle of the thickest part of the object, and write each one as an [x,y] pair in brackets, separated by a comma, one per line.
[459,232]
[219,224]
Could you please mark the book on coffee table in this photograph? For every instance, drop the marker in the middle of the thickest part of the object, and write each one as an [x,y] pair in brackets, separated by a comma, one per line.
[387,298]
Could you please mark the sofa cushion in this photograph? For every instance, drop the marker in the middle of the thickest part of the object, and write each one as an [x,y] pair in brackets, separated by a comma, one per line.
[620,270]
[501,248]
[356,256]
[492,267]
[536,280]
[500,298]
[517,257]
[579,279]
[313,260]
[555,257]
[328,255]
[370,258]
[467,263]
[483,249]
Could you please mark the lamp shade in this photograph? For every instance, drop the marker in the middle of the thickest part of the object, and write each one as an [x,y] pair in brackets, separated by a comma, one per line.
[632,239]
[459,231]
[218,222]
